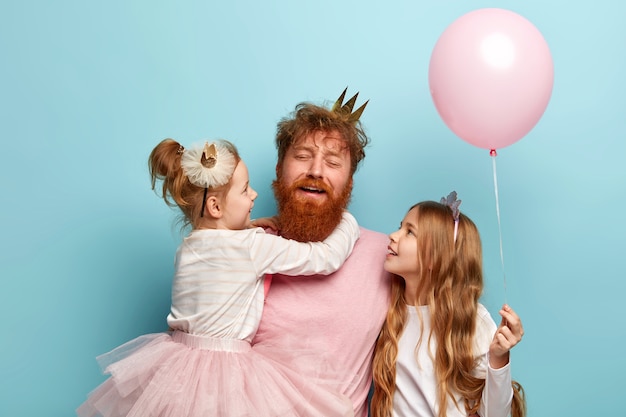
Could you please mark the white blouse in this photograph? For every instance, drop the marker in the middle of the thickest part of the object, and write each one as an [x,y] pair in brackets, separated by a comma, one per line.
[416,387]
[218,284]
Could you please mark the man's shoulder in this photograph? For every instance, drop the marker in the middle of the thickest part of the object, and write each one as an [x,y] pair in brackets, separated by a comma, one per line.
[373,237]
[370,250]
[373,233]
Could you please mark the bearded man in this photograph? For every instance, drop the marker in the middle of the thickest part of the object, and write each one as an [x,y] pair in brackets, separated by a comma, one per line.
[337,316]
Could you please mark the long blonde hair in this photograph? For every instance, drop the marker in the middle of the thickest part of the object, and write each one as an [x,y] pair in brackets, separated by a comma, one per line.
[450,283]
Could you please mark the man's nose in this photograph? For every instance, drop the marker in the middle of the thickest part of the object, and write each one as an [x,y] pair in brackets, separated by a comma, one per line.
[316,169]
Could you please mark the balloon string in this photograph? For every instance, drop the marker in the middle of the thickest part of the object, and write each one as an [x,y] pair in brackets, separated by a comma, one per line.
[495,183]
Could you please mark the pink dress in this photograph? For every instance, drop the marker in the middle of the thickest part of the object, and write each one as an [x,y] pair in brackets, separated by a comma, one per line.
[207,366]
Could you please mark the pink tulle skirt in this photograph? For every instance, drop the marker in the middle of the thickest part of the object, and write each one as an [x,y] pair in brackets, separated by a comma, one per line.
[182,375]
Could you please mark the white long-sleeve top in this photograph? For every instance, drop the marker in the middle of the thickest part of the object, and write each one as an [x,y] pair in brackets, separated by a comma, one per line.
[218,282]
[416,385]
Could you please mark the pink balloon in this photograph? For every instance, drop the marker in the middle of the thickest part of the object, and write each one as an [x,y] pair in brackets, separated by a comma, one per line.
[491,77]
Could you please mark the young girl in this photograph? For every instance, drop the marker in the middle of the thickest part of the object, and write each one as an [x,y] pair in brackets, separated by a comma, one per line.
[440,353]
[205,366]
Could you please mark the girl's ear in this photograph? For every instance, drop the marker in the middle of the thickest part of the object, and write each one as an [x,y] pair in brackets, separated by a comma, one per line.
[213,207]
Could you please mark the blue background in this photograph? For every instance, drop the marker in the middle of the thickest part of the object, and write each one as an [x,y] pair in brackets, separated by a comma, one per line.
[89,88]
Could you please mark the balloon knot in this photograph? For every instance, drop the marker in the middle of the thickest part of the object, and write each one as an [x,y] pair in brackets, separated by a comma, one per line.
[493,153]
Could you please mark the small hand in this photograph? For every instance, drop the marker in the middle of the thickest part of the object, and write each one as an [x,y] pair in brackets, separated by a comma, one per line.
[266,223]
[508,335]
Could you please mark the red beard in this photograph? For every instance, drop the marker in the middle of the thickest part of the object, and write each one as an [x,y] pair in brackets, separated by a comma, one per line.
[305,220]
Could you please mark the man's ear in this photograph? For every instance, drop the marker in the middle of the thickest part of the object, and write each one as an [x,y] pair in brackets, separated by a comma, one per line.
[213,207]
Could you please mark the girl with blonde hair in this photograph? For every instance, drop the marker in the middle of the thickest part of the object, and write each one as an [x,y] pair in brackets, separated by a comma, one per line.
[439,352]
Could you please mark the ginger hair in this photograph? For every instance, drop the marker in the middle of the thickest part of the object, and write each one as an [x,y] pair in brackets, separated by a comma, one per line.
[176,190]
[309,118]
[450,284]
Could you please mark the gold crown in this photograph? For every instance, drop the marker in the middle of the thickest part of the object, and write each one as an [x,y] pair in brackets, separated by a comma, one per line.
[346,108]
[209,155]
